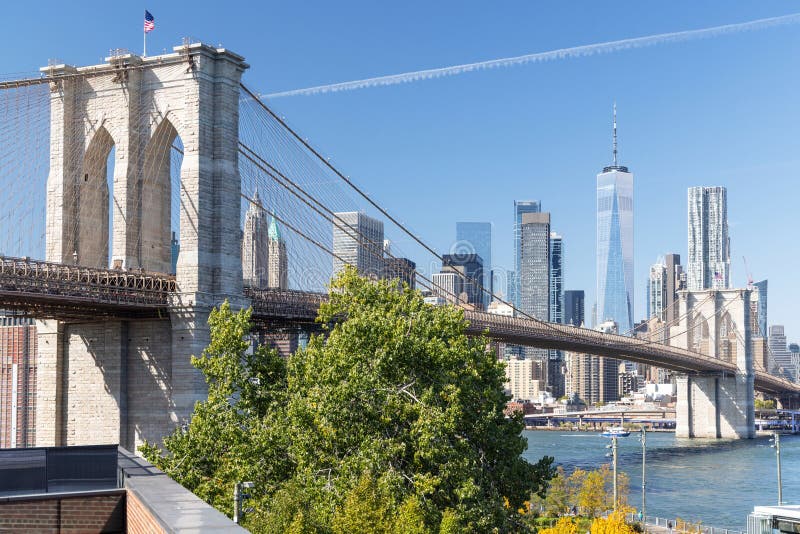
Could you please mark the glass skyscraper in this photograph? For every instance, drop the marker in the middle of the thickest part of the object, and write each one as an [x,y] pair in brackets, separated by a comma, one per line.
[520,207]
[555,375]
[476,238]
[573,307]
[709,245]
[615,244]
[556,278]
[534,274]
[534,280]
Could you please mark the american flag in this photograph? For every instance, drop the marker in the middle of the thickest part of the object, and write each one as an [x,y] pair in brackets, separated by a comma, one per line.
[149,22]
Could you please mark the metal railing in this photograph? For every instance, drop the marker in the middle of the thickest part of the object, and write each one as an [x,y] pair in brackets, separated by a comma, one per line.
[58,469]
[35,282]
[303,306]
[49,289]
[679,526]
[284,304]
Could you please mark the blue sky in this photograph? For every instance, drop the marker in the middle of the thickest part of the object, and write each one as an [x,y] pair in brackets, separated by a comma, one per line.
[720,111]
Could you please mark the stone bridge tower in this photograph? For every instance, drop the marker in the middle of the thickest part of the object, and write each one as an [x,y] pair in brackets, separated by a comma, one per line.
[716,405]
[116,381]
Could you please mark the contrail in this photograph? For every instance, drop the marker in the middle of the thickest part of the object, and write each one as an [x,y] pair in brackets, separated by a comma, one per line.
[562,53]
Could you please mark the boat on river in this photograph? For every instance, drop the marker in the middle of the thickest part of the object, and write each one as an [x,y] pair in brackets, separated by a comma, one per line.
[616,432]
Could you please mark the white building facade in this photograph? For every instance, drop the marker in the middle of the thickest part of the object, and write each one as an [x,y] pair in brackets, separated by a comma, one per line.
[709,262]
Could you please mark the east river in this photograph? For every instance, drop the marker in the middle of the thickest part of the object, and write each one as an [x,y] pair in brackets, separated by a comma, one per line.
[713,481]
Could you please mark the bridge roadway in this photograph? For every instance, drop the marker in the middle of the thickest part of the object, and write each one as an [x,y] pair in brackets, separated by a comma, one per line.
[51,290]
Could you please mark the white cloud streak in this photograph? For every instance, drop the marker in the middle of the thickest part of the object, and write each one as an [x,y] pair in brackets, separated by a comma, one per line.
[539,57]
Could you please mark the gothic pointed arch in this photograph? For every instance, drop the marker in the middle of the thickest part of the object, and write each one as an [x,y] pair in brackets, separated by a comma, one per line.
[698,334]
[727,339]
[154,243]
[92,202]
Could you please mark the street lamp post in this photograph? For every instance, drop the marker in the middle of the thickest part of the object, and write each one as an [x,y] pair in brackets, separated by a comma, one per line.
[239,496]
[613,448]
[776,439]
[644,479]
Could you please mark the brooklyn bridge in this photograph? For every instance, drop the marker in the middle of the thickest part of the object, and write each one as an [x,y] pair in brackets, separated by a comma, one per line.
[125,187]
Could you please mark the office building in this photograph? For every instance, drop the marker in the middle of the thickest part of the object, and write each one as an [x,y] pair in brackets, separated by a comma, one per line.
[401,269]
[761,289]
[628,382]
[476,238]
[780,353]
[676,281]
[555,377]
[255,245]
[593,379]
[794,356]
[709,260]
[523,379]
[574,307]
[521,207]
[615,243]
[657,291]
[278,275]
[358,241]
[534,273]
[534,279]
[470,268]
[448,286]
[17,381]
[556,278]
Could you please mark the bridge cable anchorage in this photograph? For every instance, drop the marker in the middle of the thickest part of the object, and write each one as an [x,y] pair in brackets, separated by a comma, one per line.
[255,98]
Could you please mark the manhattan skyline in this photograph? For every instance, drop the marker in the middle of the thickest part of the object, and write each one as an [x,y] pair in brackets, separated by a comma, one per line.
[688,115]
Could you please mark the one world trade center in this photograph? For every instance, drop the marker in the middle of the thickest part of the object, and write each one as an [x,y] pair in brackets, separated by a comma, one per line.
[615,244]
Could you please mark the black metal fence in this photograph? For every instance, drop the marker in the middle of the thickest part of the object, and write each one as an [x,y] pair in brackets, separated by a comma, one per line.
[58,469]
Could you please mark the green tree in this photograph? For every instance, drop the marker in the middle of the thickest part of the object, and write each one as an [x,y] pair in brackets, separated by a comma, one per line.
[768,404]
[393,413]
[558,500]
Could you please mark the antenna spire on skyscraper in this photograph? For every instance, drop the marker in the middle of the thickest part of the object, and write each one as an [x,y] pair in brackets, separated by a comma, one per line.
[615,134]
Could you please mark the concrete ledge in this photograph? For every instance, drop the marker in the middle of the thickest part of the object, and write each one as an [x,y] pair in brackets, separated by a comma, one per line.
[172,507]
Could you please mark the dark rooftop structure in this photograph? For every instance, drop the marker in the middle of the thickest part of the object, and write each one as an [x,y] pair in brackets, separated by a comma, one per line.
[98,488]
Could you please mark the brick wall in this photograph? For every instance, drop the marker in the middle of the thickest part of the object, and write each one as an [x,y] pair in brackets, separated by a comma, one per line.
[17,359]
[64,515]
[140,520]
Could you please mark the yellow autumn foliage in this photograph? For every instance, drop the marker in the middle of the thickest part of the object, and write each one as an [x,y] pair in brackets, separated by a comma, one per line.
[565,525]
[613,524]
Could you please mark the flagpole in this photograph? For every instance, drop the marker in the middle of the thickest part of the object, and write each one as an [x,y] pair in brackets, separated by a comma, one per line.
[144,52]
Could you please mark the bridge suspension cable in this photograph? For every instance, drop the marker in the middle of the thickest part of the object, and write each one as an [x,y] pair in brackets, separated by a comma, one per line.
[252,97]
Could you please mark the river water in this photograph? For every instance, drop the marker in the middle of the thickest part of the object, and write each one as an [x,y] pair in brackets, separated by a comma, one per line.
[714,481]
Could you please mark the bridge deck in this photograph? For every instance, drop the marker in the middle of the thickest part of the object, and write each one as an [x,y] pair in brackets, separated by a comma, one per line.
[51,290]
